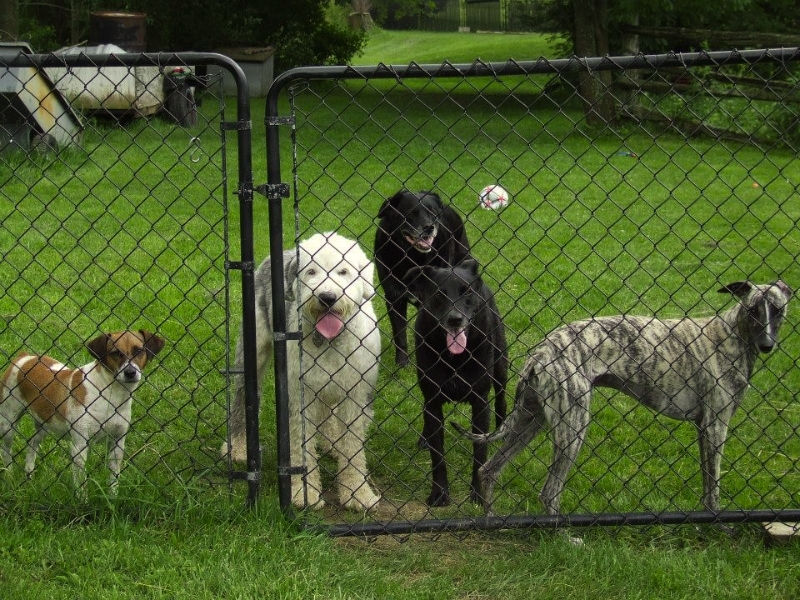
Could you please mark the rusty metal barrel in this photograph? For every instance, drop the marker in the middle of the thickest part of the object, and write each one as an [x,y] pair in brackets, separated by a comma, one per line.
[128,30]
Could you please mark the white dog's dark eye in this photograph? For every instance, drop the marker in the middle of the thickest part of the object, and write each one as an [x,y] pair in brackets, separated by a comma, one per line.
[311,272]
[343,272]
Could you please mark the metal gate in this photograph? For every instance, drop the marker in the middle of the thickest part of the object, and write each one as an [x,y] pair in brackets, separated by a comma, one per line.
[690,186]
[115,216]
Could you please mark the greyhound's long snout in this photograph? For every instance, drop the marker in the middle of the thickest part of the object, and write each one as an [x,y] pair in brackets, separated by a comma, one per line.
[766,348]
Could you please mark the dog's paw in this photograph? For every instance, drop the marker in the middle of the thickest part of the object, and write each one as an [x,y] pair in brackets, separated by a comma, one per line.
[438,498]
[570,539]
[306,497]
[401,358]
[476,497]
[301,505]
[237,451]
[315,503]
[365,501]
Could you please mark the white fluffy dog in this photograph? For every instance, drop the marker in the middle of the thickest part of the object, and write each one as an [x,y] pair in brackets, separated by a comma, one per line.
[328,299]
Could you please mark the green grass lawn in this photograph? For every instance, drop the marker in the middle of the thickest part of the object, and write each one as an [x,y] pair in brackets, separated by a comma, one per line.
[401,47]
[133,228]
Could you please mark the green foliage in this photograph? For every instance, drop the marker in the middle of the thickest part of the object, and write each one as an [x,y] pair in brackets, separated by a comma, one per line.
[773,16]
[336,14]
[298,30]
[42,37]
[396,10]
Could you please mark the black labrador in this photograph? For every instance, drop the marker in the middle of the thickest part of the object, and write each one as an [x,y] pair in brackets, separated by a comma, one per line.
[415,229]
[461,355]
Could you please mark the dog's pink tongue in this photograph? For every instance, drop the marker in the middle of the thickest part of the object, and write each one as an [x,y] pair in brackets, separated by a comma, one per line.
[329,325]
[425,243]
[456,343]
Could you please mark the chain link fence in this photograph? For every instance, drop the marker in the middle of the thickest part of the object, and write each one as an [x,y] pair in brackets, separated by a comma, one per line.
[115,203]
[120,218]
[682,180]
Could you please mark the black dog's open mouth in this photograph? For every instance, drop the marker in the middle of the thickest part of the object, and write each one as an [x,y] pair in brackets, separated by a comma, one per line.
[423,243]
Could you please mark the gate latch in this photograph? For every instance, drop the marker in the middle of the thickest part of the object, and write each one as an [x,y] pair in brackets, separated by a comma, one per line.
[273,191]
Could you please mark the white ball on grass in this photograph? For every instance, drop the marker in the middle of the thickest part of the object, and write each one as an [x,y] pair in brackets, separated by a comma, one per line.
[493,197]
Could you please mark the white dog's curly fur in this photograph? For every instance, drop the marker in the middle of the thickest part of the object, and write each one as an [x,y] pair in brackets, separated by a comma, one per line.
[328,290]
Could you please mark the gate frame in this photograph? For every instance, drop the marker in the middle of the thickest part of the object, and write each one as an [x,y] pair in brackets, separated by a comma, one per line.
[243,128]
[278,189]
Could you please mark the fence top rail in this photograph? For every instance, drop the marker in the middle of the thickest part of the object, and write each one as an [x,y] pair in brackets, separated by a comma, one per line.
[541,66]
[118,59]
[11,60]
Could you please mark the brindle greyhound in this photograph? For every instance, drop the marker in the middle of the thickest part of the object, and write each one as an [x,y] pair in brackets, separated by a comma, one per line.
[690,369]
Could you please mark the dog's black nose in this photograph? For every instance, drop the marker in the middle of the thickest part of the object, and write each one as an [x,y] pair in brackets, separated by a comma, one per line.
[130,373]
[455,321]
[327,299]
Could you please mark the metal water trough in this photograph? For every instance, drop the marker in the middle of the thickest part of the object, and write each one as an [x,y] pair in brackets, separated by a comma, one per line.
[113,90]
[32,111]
[137,91]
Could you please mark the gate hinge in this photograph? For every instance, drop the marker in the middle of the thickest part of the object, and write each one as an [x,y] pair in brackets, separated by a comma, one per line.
[280,336]
[236,125]
[271,121]
[246,266]
[246,475]
[292,470]
[273,191]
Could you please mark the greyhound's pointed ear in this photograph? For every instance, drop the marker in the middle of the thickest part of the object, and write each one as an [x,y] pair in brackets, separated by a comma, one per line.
[737,288]
[152,342]
[290,276]
[787,291]
[98,347]
[390,203]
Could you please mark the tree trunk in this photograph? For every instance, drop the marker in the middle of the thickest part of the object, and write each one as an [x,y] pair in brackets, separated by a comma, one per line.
[591,39]
[9,20]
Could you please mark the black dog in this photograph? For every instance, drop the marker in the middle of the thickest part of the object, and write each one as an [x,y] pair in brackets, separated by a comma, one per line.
[460,354]
[415,229]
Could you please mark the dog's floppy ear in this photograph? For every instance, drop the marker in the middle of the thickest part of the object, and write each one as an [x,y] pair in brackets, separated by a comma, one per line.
[418,280]
[289,277]
[98,347]
[390,204]
[153,343]
[739,288]
[471,265]
[436,198]
[367,273]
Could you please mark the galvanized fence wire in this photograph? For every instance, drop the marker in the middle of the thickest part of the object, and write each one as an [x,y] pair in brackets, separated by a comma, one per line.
[115,216]
[682,180]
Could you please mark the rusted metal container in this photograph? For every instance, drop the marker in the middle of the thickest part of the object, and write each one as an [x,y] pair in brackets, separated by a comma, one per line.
[128,30]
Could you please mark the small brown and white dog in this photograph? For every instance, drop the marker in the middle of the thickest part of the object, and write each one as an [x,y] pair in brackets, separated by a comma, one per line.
[80,402]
